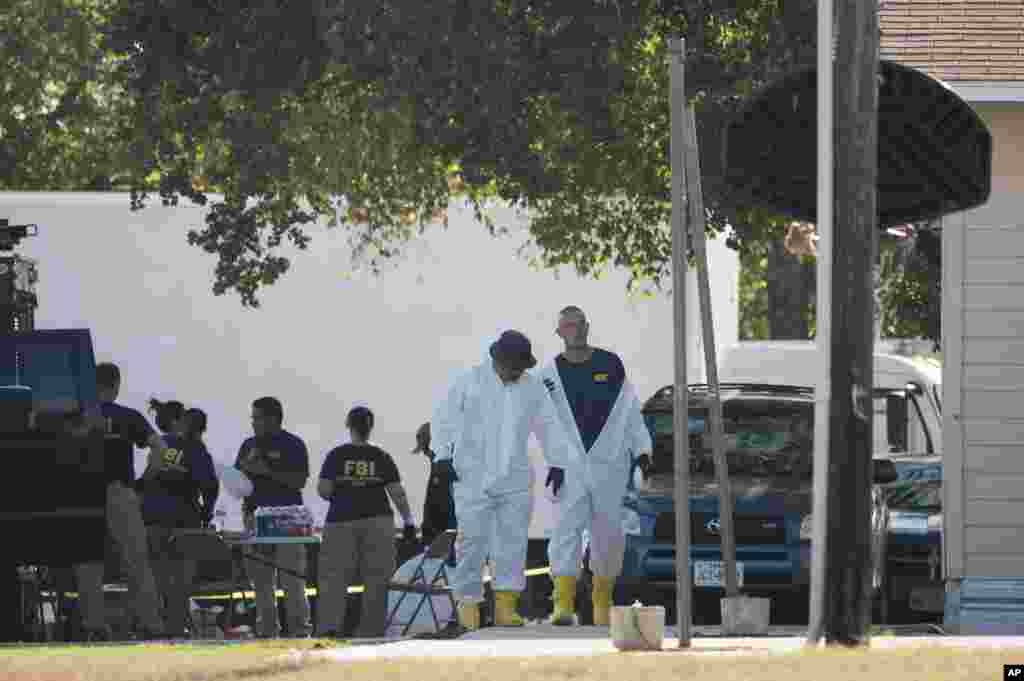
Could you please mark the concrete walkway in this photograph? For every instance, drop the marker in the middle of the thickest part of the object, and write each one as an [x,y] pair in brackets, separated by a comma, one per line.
[546,640]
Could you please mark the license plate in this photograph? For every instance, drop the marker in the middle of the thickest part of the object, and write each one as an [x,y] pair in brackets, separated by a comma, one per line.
[927,599]
[917,524]
[711,573]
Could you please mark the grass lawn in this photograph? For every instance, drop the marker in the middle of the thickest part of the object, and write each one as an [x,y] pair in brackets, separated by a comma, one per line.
[287,661]
[156,662]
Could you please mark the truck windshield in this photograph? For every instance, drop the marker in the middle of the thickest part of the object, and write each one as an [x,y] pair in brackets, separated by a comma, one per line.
[762,437]
[765,436]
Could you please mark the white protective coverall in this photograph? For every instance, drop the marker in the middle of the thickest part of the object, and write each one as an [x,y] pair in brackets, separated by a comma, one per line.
[483,426]
[591,497]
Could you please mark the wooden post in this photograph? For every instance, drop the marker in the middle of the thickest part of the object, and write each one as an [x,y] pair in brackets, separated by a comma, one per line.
[854,244]
[681,465]
[695,206]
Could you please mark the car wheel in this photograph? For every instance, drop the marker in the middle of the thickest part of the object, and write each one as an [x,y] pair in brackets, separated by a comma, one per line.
[791,609]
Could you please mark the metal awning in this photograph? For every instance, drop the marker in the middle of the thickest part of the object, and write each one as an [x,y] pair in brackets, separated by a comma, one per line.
[934,151]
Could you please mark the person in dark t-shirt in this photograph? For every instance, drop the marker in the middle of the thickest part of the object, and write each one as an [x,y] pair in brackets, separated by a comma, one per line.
[359,538]
[438,504]
[180,495]
[124,429]
[277,462]
[598,406]
[591,386]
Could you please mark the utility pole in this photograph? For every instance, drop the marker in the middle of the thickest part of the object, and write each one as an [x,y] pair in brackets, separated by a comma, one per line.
[854,244]
[680,417]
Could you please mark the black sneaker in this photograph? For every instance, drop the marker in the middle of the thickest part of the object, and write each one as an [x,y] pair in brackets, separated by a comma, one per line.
[104,635]
[149,635]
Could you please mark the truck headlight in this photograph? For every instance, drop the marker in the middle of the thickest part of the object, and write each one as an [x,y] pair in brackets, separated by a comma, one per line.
[806,528]
[631,523]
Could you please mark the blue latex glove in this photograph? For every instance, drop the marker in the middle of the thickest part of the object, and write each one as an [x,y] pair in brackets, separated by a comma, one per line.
[556,478]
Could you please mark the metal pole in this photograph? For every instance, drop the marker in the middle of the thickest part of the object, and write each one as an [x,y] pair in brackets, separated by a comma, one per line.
[681,467]
[823,323]
[695,204]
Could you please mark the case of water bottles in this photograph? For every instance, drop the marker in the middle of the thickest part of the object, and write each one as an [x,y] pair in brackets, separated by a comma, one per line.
[283,521]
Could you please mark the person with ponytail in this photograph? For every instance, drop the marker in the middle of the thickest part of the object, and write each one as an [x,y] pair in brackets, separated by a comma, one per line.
[178,495]
[193,429]
[166,414]
[359,540]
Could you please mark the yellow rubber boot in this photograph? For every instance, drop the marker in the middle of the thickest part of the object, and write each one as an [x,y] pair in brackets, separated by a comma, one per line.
[565,602]
[601,597]
[469,615]
[505,614]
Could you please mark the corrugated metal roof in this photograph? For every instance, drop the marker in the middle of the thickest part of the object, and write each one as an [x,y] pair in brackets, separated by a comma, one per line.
[956,40]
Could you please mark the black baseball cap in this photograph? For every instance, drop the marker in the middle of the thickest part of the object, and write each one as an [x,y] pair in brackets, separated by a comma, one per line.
[513,350]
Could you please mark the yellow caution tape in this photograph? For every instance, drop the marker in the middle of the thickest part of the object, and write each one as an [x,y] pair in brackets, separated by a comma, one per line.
[310,591]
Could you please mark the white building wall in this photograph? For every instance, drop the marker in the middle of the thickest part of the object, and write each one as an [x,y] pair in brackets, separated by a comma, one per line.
[324,341]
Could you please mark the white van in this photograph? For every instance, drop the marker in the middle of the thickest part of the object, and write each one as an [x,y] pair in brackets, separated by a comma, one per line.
[796,363]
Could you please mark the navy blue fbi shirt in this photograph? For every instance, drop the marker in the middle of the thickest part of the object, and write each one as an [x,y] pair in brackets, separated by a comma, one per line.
[283,452]
[124,429]
[592,387]
[172,496]
[361,474]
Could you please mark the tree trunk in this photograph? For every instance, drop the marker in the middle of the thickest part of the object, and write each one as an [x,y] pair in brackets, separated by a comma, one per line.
[788,294]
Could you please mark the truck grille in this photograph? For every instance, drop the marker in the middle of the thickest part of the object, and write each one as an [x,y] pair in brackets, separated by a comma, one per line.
[750,529]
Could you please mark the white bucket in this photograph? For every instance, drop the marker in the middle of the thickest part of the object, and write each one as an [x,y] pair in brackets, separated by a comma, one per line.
[637,627]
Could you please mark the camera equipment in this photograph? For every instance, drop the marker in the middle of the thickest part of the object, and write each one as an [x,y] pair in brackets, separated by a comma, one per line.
[11,235]
[18,277]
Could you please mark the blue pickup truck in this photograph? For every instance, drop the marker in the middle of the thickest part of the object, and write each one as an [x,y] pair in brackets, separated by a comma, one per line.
[914,578]
[769,444]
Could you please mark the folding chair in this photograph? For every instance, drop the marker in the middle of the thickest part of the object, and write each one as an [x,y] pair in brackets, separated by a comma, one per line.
[436,585]
[208,546]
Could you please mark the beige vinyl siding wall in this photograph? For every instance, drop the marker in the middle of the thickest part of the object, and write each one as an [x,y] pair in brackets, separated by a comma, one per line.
[984,367]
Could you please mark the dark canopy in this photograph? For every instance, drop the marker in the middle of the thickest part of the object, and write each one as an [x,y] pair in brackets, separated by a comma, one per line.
[934,152]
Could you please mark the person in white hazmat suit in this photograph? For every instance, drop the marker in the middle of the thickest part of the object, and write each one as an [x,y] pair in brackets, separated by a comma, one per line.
[481,428]
[599,409]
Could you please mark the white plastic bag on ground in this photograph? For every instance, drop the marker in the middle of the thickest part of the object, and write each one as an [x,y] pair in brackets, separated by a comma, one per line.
[424,621]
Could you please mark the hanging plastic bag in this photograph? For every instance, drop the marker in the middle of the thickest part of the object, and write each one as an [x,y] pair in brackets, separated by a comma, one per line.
[235,481]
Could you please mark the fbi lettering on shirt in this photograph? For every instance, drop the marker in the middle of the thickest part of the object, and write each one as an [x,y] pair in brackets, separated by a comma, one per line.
[174,460]
[359,473]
